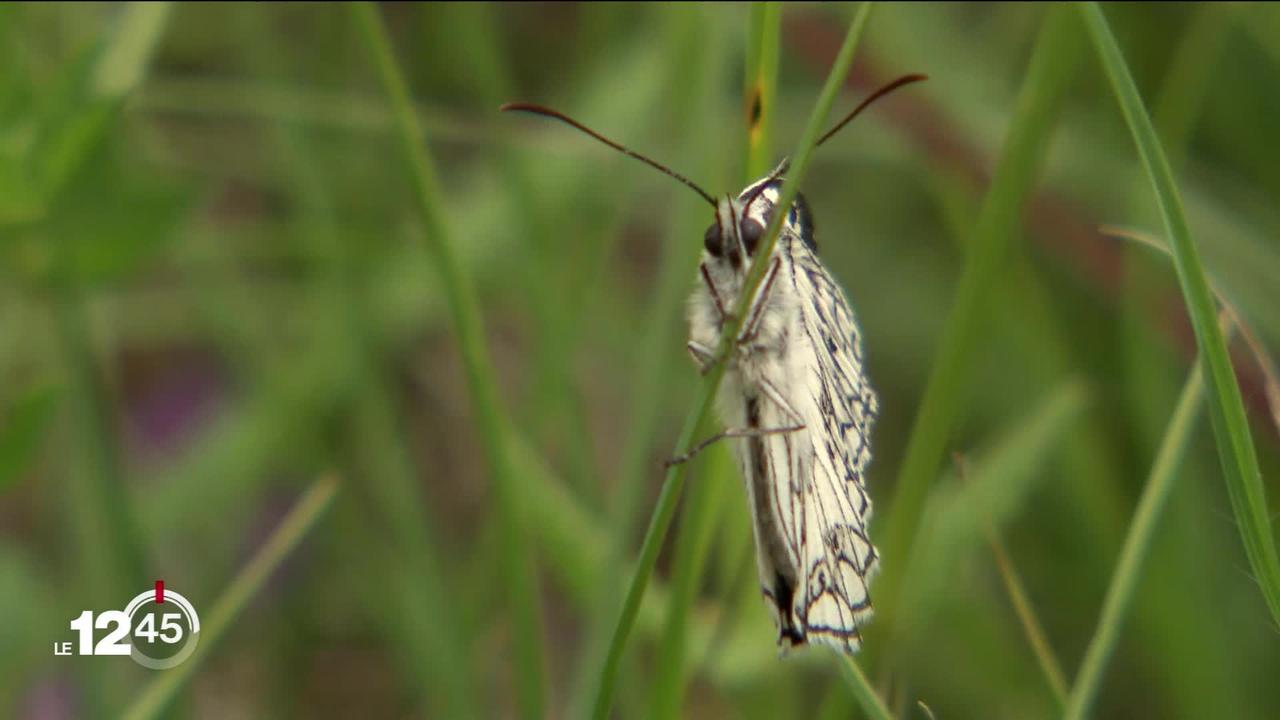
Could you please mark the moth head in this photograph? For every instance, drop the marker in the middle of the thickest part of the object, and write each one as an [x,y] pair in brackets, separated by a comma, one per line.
[740,223]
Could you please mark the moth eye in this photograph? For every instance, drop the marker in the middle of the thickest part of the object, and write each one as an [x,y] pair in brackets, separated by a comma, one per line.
[711,241]
[752,231]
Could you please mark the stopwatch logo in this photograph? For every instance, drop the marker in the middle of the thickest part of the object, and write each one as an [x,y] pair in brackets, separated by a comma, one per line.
[159,629]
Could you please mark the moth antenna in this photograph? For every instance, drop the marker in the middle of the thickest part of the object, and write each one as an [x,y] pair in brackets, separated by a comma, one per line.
[904,80]
[548,112]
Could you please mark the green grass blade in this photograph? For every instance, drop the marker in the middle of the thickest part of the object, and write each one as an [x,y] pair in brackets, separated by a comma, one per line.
[118,69]
[959,516]
[23,430]
[1136,546]
[427,630]
[763,31]
[124,61]
[764,28]
[702,507]
[673,483]
[693,42]
[1031,625]
[109,544]
[292,529]
[108,531]
[999,482]
[1025,147]
[555,404]
[1226,408]
[866,695]
[516,564]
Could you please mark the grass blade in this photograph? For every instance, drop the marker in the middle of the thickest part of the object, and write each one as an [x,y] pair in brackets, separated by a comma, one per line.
[1226,408]
[555,401]
[866,695]
[763,31]
[673,483]
[424,626]
[108,531]
[999,482]
[1136,545]
[692,547]
[516,564]
[273,552]
[693,42]
[1266,364]
[23,431]
[108,540]
[1031,626]
[1025,147]
[124,61]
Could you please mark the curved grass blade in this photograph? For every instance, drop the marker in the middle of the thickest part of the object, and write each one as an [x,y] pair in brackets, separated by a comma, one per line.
[1266,364]
[313,503]
[673,483]
[1136,546]
[1230,426]
[1024,150]
[516,563]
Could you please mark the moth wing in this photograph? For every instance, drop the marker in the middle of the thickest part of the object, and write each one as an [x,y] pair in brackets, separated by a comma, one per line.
[777,513]
[833,602]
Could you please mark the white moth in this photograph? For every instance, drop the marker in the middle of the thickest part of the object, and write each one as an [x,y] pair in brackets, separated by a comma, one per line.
[797,401]
[795,398]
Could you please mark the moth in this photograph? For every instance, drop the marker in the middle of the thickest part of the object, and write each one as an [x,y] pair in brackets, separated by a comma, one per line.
[795,400]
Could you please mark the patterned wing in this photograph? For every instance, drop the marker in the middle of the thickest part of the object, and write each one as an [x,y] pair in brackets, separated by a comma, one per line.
[771,467]
[838,560]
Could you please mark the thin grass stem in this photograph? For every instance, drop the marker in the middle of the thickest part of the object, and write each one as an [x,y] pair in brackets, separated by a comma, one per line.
[694,543]
[291,530]
[515,562]
[1026,612]
[1137,544]
[1026,145]
[692,547]
[866,695]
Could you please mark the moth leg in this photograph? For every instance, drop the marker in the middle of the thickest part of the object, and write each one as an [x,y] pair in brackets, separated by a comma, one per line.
[752,327]
[772,392]
[715,294]
[730,433]
[704,356]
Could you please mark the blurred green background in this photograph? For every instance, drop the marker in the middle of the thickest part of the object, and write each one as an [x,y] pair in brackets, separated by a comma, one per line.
[216,287]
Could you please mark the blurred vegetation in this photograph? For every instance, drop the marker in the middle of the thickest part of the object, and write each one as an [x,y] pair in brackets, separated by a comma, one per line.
[231,264]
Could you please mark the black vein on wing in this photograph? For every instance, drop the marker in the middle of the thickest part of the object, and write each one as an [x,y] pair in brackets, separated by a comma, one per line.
[850,394]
